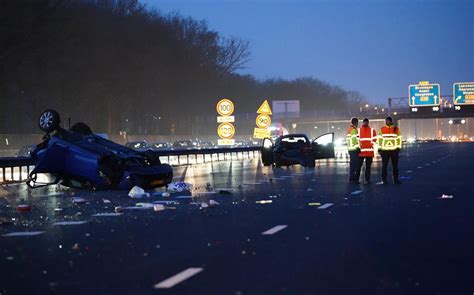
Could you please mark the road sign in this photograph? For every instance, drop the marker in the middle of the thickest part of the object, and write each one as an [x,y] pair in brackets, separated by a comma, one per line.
[463,93]
[264,108]
[424,94]
[261,133]
[263,121]
[222,119]
[226,130]
[226,142]
[225,107]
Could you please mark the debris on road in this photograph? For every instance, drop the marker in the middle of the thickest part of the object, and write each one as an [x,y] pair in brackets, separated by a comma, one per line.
[213,203]
[314,204]
[105,201]
[161,194]
[5,221]
[446,197]
[78,200]
[23,208]
[158,207]
[356,192]
[137,192]
[264,202]
[179,187]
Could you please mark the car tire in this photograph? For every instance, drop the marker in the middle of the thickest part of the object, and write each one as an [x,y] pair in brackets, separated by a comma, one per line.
[49,121]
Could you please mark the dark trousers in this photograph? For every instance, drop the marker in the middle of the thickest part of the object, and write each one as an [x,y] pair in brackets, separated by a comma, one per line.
[354,171]
[386,157]
[368,163]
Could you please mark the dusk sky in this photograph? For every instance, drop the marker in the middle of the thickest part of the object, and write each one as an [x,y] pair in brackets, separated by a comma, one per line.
[375,47]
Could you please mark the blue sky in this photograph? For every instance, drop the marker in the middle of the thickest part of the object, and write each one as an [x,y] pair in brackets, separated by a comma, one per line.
[375,47]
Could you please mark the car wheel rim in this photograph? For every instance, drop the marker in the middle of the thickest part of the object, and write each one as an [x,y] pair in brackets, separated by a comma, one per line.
[46,120]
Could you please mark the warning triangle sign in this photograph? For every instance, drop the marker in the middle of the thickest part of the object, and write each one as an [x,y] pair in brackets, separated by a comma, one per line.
[389,143]
[264,108]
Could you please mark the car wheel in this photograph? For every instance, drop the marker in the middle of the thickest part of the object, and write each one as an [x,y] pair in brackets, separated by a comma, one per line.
[49,121]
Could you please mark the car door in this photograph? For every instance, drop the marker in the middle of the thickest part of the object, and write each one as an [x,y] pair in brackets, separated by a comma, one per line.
[267,152]
[323,146]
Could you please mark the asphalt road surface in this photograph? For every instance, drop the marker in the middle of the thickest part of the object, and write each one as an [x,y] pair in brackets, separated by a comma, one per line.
[314,233]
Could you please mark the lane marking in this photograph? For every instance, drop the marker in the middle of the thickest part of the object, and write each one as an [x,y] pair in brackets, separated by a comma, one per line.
[356,192]
[327,205]
[274,229]
[70,223]
[419,167]
[106,214]
[23,233]
[409,171]
[178,278]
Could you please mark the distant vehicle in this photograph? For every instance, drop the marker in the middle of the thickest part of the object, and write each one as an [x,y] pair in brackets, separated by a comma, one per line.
[137,145]
[183,145]
[207,145]
[78,158]
[26,151]
[159,146]
[294,149]
[241,143]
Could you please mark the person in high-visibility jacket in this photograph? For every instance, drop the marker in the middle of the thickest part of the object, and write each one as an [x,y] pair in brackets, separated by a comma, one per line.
[367,138]
[390,144]
[353,149]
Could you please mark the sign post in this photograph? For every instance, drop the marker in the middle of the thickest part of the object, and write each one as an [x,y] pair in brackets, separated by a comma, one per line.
[463,94]
[424,94]
[263,121]
[226,130]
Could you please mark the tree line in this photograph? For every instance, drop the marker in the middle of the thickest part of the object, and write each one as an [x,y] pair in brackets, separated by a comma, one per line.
[118,65]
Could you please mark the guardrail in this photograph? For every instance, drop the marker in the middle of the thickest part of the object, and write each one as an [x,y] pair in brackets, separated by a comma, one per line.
[17,169]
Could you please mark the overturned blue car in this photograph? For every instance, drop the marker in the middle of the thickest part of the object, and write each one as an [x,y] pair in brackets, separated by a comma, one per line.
[78,158]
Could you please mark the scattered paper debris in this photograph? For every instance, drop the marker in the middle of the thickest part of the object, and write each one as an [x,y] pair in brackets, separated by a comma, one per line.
[213,203]
[179,186]
[356,192]
[23,208]
[158,207]
[137,192]
[78,200]
[314,204]
[106,201]
[446,197]
[264,202]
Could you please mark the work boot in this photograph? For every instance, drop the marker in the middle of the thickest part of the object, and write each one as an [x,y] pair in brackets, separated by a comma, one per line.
[367,182]
[396,181]
[384,181]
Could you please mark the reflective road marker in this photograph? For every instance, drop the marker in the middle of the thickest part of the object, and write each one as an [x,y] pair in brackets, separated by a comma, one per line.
[274,229]
[178,278]
[327,205]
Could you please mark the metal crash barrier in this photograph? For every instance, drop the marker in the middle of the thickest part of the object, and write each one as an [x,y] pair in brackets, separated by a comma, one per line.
[17,169]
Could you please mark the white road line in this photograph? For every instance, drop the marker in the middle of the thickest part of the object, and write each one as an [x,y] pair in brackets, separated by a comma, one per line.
[356,192]
[327,205]
[106,214]
[23,233]
[178,278]
[274,229]
[409,171]
[70,223]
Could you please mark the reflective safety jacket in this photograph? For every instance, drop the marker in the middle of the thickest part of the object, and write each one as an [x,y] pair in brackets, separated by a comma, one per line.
[352,138]
[368,138]
[390,138]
